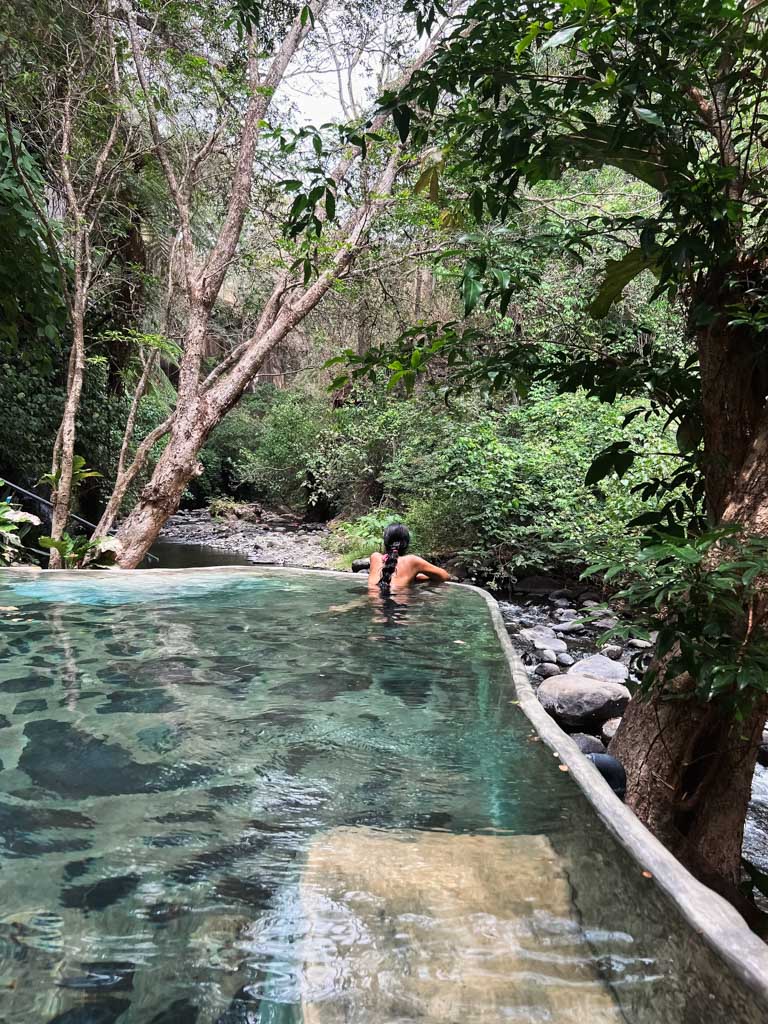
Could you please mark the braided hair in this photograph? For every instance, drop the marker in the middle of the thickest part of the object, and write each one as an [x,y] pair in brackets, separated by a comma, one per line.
[396,541]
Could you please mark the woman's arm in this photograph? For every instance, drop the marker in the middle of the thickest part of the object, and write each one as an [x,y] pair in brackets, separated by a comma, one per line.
[431,572]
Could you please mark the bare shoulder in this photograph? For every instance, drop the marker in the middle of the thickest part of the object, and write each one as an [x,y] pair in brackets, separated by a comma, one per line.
[375,558]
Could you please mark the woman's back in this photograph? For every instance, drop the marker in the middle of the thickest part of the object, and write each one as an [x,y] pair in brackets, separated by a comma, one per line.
[395,570]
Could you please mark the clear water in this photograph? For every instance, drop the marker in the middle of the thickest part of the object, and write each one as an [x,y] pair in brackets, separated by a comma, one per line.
[250,796]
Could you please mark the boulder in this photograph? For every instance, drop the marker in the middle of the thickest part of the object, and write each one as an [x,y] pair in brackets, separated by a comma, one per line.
[569,627]
[546,669]
[361,565]
[536,584]
[544,639]
[580,701]
[548,655]
[600,667]
[565,614]
[609,729]
[612,651]
[588,744]
[565,659]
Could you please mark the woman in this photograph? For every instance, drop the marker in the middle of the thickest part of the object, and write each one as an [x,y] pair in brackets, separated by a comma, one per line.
[396,570]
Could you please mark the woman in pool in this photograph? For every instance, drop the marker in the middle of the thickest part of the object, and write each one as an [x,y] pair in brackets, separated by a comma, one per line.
[395,569]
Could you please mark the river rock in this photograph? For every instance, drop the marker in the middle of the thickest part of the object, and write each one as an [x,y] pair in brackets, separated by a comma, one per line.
[536,585]
[548,655]
[565,659]
[588,744]
[544,639]
[560,602]
[600,667]
[546,669]
[361,565]
[609,729]
[579,701]
[569,627]
[639,645]
[565,614]
[612,651]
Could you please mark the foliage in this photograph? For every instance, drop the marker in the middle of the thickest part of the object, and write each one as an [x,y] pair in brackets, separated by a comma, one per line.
[537,89]
[14,525]
[357,538]
[80,472]
[79,550]
[32,316]
[281,445]
[701,594]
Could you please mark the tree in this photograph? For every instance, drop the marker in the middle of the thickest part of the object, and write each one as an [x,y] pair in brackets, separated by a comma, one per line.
[71,110]
[673,95]
[206,394]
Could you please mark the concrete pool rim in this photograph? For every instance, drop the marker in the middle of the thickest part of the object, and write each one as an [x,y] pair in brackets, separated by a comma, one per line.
[709,915]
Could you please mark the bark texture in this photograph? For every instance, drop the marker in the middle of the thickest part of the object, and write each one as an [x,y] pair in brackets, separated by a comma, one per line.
[689,763]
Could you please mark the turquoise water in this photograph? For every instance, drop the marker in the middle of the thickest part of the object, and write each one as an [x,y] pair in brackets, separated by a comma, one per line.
[264,796]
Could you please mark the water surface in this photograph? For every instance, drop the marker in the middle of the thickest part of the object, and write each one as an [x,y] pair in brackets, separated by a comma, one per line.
[263,796]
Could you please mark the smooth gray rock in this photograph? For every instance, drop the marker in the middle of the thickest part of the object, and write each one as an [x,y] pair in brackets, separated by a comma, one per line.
[607,623]
[600,667]
[612,651]
[639,645]
[361,565]
[569,627]
[588,603]
[548,655]
[565,659]
[561,602]
[588,744]
[580,701]
[546,669]
[565,614]
[544,639]
[609,729]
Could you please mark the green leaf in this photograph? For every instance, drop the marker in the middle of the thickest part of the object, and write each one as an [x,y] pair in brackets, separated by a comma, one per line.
[565,35]
[618,274]
[649,116]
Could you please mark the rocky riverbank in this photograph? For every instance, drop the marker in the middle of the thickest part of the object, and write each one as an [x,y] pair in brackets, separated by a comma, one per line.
[583,686]
[265,538]
[580,682]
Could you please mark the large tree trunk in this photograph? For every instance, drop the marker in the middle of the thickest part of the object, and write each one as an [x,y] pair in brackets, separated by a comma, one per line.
[161,496]
[690,764]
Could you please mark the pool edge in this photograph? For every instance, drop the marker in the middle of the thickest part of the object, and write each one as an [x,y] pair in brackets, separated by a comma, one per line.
[710,915]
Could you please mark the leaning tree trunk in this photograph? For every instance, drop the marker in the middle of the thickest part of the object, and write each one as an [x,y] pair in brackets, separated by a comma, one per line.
[690,763]
[161,497]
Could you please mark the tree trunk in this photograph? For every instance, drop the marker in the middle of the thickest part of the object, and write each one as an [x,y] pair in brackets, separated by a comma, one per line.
[64,451]
[689,778]
[160,498]
[690,764]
